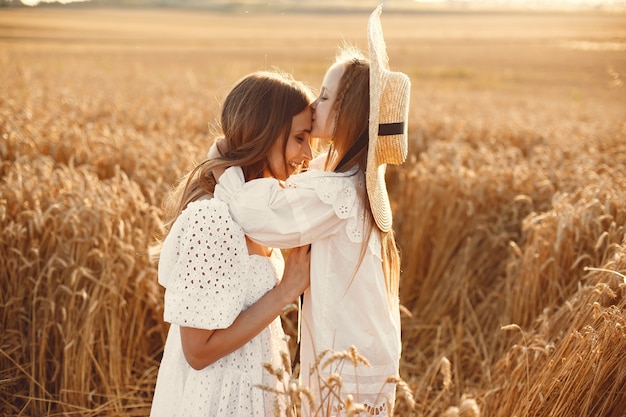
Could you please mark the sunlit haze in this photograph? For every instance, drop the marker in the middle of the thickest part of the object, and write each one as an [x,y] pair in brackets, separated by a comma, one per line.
[527,3]
[517,4]
[35,2]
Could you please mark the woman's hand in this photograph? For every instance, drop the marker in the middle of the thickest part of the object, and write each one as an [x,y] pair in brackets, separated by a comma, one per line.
[203,347]
[297,275]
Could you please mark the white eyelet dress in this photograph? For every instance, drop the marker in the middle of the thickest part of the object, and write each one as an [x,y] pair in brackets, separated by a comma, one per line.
[209,279]
[346,304]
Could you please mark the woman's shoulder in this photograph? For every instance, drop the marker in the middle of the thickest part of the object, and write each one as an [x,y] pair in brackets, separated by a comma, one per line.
[203,234]
[205,214]
[207,205]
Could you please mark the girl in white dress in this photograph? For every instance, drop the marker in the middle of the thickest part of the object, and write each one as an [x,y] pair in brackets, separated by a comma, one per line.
[344,213]
[223,292]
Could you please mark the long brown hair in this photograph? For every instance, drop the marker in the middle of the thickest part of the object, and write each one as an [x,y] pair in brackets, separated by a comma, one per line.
[255,113]
[349,146]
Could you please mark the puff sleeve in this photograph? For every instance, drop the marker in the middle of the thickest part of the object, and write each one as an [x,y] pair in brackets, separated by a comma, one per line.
[202,267]
[309,207]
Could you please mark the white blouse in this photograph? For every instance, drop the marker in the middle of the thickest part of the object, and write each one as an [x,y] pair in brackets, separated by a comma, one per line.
[346,304]
[209,279]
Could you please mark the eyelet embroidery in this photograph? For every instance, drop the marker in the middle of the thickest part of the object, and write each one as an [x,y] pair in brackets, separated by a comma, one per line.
[341,193]
[209,291]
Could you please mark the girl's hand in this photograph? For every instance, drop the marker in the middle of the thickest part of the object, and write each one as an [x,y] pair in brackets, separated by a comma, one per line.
[214,152]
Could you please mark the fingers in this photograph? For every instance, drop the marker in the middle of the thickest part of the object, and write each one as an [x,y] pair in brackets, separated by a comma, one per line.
[298,269]
[214,151]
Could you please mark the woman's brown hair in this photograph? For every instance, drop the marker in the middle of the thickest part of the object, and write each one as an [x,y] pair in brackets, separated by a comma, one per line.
[255,113]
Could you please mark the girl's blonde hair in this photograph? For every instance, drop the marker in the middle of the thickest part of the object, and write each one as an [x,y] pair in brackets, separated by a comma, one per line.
[349,146]
[256,113]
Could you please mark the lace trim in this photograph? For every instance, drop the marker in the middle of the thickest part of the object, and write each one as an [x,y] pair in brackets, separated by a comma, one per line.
[341,194]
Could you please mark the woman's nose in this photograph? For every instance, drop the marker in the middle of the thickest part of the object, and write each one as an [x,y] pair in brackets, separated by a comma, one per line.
[306,151]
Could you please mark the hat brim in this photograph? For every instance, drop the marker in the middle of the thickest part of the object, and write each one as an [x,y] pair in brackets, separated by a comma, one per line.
[388,138]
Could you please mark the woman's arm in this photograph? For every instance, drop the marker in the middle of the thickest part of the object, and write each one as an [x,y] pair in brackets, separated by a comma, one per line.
[203,347]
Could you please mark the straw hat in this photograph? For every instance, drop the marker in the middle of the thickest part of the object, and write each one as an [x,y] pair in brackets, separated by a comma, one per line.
[388,120]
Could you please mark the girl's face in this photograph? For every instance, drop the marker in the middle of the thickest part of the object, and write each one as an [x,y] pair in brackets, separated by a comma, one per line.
[323,106]
[297,151]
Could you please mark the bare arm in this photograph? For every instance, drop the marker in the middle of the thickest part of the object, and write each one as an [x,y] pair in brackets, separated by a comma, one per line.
[203,347]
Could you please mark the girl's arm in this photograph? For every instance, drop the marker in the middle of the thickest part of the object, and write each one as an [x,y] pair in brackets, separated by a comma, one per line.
[203,347]
[311,206]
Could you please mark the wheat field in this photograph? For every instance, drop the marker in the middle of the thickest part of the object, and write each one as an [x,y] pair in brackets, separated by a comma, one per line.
[510,212]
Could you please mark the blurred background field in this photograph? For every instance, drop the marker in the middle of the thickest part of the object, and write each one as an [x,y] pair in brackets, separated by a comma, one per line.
[509,213]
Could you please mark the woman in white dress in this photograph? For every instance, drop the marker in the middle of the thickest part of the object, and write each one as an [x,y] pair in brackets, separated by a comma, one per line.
[344,213]
[223,292]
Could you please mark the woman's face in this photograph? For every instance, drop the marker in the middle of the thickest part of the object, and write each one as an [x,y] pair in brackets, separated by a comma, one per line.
[298,149]
[323,106]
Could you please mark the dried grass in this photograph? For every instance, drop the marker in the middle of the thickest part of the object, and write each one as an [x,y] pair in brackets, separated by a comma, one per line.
[569,362]
[79,318]
[328,368]
[510,212]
